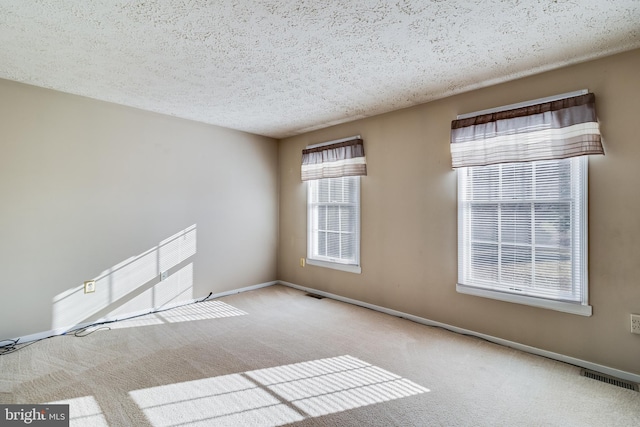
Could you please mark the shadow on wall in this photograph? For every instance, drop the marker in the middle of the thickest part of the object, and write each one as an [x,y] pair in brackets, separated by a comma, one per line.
[134,285]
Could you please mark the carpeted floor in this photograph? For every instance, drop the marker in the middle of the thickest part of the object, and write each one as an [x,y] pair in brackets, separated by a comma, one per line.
[275,356]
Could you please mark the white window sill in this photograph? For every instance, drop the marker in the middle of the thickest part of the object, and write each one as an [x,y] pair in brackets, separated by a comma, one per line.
[336,266]
[566,307]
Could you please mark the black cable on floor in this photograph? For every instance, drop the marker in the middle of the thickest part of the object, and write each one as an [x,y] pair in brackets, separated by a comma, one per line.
[14,345]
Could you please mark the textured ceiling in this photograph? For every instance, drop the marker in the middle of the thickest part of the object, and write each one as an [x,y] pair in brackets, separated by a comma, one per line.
[283,67]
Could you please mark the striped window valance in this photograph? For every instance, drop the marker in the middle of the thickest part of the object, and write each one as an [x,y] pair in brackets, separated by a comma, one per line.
[550,130]
[334,160]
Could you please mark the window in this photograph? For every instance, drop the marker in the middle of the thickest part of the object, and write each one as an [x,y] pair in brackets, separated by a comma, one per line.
[522,200]
[333,170]
[333,221]
[522,232]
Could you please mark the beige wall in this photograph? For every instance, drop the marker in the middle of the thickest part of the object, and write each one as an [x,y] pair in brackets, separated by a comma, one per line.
[409,224]
[87,185]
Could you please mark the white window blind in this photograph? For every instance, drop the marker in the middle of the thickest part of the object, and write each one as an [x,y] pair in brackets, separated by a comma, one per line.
[333,220]
[522,229]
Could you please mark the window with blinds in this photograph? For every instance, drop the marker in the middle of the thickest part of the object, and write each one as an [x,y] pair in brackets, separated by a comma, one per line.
[333,220]
[522,229]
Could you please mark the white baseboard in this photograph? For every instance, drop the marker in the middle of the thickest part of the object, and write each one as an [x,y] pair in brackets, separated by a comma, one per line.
[245,289]
[64,330]
[528,349]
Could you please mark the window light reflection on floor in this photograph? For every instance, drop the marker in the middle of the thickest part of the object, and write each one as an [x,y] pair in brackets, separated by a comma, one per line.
[229,400]
[274,396]
[200,311]
[332,385]
[84,411]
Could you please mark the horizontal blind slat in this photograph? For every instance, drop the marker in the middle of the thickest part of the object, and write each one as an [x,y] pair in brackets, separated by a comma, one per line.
[512,242]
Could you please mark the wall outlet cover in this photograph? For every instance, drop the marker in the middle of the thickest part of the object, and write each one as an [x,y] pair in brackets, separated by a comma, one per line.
[89,286]
[635,323]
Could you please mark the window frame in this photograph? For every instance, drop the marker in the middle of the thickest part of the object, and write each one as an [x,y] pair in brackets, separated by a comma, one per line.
[328,262]
[580,308]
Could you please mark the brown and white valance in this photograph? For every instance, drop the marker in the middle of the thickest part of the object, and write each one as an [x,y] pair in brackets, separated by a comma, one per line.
[344,158]
[550,130]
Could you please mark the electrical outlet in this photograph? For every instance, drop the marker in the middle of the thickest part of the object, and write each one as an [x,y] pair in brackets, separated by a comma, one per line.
[164,275]
[89,286]
[635,323]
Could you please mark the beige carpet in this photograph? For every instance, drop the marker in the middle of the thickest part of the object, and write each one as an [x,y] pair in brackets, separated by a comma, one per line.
[275,357]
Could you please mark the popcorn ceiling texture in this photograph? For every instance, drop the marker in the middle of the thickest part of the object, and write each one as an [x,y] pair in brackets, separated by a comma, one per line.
[284,67]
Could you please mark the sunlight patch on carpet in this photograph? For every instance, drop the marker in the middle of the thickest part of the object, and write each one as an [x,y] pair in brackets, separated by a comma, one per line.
[84,411]
[228,400]
[274,396]
[200,311]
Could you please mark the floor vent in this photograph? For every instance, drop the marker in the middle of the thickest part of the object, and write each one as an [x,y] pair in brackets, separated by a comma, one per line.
[315,296]
[609,379]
